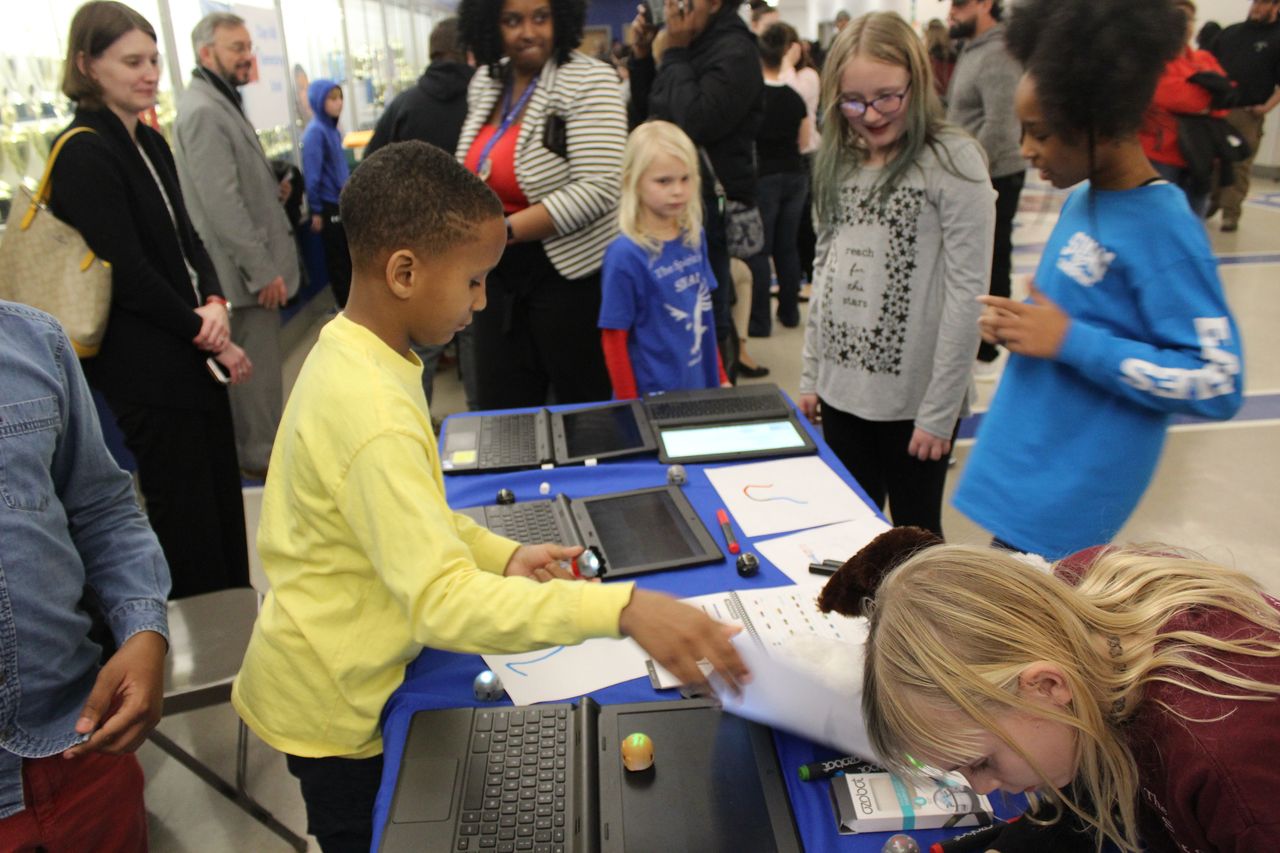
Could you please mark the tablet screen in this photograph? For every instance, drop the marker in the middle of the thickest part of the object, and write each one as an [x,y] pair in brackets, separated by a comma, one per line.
[601,431]
[643,529]
[718,772]
[727,439]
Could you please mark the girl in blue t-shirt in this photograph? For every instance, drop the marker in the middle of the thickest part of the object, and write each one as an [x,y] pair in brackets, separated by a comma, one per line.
[657,328]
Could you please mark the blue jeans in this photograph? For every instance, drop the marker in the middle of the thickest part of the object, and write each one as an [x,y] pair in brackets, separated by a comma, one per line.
[781,198]
[1181,178]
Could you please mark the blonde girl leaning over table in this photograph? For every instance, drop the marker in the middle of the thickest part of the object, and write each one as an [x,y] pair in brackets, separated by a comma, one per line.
[1144,679]
[905,217]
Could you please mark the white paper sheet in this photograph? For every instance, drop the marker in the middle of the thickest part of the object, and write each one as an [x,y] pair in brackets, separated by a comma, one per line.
[782,696]
[784,495]
[567,672]
[786,622]
[793,553]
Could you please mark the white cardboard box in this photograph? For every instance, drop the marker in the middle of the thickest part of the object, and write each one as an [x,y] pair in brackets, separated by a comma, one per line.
[880,802]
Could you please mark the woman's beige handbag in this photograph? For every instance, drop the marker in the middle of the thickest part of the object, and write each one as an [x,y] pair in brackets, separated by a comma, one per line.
[45,263]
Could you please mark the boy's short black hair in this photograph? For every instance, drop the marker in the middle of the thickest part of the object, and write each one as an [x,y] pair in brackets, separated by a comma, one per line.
[1095,62]
[411,195]
[481,33]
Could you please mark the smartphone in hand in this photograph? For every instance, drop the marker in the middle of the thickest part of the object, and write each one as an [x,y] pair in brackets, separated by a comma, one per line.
[217,371]
[655,12]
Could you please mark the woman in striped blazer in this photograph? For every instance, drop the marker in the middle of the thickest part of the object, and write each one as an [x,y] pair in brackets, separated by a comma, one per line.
[545,128]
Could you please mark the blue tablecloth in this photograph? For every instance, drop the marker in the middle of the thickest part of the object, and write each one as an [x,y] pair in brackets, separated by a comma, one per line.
[443,680]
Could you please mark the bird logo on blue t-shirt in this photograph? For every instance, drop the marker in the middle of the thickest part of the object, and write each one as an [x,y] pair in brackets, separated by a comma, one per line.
[695,321]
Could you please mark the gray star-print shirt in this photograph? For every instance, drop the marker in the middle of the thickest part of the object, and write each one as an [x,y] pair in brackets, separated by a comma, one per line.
[893,328]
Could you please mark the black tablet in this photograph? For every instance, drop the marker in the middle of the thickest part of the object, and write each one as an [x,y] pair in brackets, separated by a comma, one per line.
[646,530]
[737,440]
[601,432]
[715,784]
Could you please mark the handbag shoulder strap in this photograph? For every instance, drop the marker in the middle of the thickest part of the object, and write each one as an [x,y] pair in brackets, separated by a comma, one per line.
[711,170]
[45,187]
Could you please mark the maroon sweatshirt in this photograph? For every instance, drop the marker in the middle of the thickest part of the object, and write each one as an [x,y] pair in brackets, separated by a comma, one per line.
[1214,785]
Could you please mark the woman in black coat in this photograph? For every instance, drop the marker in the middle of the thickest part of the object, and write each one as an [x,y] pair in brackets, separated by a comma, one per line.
[710,86]
[167,355]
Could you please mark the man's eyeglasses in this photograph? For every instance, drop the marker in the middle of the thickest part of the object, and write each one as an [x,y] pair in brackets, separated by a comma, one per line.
[885,105]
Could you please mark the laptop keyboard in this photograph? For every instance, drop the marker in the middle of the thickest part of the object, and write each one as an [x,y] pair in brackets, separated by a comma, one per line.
[671,410]
[529,523]
[517,794]
[509,440]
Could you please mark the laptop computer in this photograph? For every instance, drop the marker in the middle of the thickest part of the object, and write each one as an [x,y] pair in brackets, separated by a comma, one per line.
[645,530]
[716,405]
[549,779]
[478,443]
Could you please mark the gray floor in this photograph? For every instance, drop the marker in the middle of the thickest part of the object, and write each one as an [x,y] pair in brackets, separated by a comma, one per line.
[1215,491]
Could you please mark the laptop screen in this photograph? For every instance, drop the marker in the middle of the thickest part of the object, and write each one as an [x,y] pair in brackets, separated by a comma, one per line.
[642,529]
[729,439]
[596,432]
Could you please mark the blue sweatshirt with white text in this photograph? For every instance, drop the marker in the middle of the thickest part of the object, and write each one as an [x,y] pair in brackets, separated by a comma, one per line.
[1070,444]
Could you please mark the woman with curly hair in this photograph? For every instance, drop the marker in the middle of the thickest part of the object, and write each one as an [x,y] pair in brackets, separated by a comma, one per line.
[1136,689]
[1127,322]
[545,128]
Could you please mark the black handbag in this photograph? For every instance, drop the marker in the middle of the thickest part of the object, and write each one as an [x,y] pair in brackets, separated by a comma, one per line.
[743,224]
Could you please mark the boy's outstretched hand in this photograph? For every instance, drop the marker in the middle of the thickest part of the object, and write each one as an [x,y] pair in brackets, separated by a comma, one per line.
[678,636]
[126,700]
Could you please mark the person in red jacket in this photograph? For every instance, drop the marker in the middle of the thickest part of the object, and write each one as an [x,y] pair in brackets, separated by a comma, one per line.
[1177,96]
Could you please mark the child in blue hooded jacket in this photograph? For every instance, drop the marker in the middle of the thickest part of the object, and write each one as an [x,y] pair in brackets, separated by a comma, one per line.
[324,168]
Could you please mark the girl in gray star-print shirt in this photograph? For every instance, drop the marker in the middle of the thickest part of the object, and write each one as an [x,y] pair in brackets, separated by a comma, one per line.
[905,215]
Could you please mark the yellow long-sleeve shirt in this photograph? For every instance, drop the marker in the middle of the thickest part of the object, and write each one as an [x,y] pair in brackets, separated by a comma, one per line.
[368,564]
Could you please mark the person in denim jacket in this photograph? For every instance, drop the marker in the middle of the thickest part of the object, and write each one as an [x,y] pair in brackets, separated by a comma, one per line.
[70,530]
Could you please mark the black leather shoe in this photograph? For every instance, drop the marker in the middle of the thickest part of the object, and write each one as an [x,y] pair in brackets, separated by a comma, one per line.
[757,372]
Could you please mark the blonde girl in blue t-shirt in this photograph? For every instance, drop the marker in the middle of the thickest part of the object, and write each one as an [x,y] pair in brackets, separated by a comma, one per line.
[656,322]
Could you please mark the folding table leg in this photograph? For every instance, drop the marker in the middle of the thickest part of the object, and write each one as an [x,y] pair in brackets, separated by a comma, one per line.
[235,794]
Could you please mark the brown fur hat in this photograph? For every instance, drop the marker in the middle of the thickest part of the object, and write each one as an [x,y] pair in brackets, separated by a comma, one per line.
[858,579]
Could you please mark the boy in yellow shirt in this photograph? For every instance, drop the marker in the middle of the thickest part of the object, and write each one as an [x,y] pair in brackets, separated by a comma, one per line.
[367,562]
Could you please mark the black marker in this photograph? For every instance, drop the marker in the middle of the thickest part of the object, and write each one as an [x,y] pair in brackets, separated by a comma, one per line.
[826,567]
[827,769]
[971,841]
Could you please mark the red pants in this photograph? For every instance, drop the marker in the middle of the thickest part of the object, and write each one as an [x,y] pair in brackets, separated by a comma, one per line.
[93,802]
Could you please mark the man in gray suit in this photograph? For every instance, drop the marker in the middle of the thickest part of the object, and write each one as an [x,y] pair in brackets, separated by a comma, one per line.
[234,200]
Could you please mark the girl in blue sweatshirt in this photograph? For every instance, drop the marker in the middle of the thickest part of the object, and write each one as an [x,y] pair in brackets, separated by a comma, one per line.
[324,168]
[1127,323]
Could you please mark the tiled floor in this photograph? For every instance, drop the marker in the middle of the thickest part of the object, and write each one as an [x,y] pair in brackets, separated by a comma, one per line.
[1215,491]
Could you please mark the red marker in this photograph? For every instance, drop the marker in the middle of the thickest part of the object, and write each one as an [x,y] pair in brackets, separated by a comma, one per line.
[723,518]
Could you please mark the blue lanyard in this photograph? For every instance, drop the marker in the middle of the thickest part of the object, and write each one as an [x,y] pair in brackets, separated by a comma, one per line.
[483,167]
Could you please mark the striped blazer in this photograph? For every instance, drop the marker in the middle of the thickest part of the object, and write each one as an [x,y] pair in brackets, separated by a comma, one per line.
[581,193]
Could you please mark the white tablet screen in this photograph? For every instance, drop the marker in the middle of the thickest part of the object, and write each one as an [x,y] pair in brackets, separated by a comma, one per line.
[724,439]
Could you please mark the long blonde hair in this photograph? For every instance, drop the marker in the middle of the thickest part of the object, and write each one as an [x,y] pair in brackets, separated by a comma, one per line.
[953,628]
[883,37]
[646,143]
